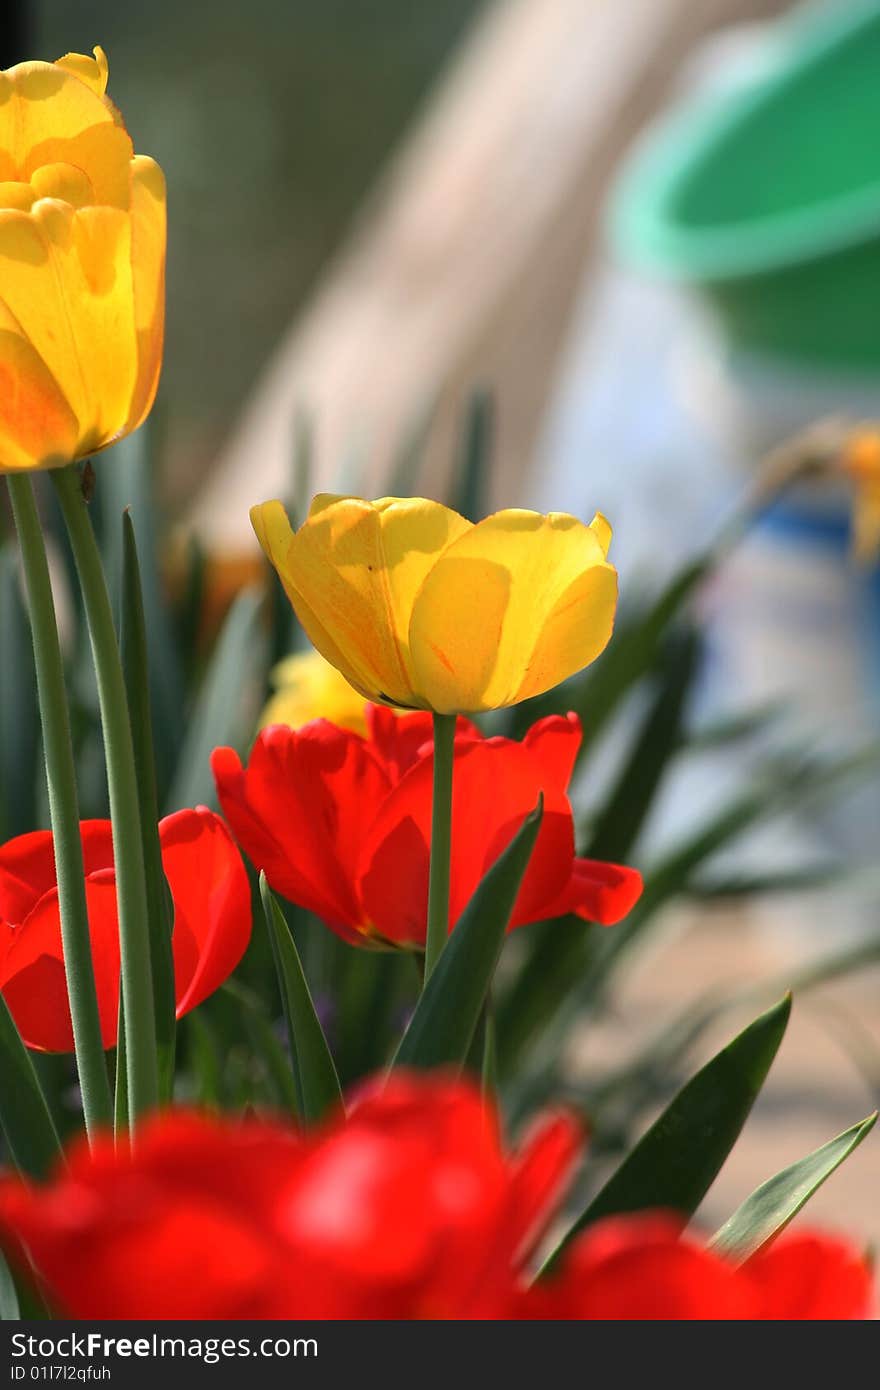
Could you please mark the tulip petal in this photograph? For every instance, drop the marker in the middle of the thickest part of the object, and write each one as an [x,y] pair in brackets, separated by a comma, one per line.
[38,429]
[93,71]
[67,277]
[50,115]
[212,902]
[148,279]
[597,892]
[27,865]
[298,810]
[514,606]
[32,971]
[352,572]
[810,1276]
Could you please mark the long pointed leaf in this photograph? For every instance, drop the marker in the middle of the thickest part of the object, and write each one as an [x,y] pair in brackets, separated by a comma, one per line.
[315,1072]
[24,1115]
[442,1027]
[19,724]
[9,1306]
[135,666]
[676,1162]
[772,1205]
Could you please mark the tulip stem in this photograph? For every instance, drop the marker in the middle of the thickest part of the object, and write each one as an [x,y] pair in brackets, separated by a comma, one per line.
[63,809]
[441,841]
[131,889]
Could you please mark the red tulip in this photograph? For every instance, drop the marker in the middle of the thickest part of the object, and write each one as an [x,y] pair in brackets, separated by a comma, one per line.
[212,922]
[408,1208]
[342,824]
[643,1268]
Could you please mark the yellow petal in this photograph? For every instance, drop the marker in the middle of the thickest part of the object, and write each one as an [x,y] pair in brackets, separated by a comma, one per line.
[308,687]
[37,427]
[66,278]
[48,115]
[516,605]
[148,280]
[352,572]
[275,534]
[93,71]
[601,529]
[63,181]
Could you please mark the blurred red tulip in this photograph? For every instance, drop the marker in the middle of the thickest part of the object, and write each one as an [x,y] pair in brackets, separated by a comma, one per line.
[212,922]
[642,1268]
[342,824]
[406,1209]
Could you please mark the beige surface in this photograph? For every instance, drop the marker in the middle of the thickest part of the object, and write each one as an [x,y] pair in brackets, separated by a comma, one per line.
[814,1090]
[465,265]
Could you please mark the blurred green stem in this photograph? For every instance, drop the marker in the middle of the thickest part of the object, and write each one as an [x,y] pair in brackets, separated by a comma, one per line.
[131,889]
[441,841]
[63,809]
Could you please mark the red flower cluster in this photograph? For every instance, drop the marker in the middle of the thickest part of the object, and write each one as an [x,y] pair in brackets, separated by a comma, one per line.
[342,824]
[212,922]
[408,1208]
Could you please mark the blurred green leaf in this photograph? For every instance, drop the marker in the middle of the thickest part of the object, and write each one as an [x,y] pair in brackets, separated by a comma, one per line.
[797,880]
[9,1309]
[127,484]
[266,1045]
[133,644]
[317,1084]
[733,728]
[409,455]
[24,1114]
[471,490]
[675,1164]
[226,706]
[442,1027]
[772,1205]
[19,720]
[617,827]
[561,952]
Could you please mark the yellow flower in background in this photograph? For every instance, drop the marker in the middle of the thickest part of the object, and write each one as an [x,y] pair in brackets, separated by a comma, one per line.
[82,266]
[420,608]
[860,458]
[308,687]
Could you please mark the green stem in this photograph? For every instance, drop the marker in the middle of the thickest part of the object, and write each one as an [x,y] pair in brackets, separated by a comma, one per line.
[63,809]
[441,841]
[131,888]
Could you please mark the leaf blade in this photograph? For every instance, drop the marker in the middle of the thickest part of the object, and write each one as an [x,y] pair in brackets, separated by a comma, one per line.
[24,1115]
[438,1035]
[314,1069]
[768,1209]
[675,1163]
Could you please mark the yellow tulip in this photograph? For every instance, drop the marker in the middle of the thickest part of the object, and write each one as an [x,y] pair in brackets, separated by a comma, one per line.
[82,266]
[308,687]
[420,608]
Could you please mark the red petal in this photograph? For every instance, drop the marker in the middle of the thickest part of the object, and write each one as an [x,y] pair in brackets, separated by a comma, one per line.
[212,902]
[596,891]
[640,1268]
[809,1275]
[299,811]
[33,980]
[554,742]
[401,739]
[27,865]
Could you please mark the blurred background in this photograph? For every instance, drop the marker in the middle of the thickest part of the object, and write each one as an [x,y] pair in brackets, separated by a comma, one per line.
[651,229]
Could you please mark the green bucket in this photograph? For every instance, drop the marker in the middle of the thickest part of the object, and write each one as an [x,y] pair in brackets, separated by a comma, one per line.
[767,198]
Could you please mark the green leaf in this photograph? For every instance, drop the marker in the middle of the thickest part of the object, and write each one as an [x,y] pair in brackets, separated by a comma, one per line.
[471,497]
[24,1115]
[317,1084]
[127,483]
[19,722]
[772,1205]
[675,1163]
[227,704]
[653,749]
[9,1307]
[442,1027]
[135,666]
